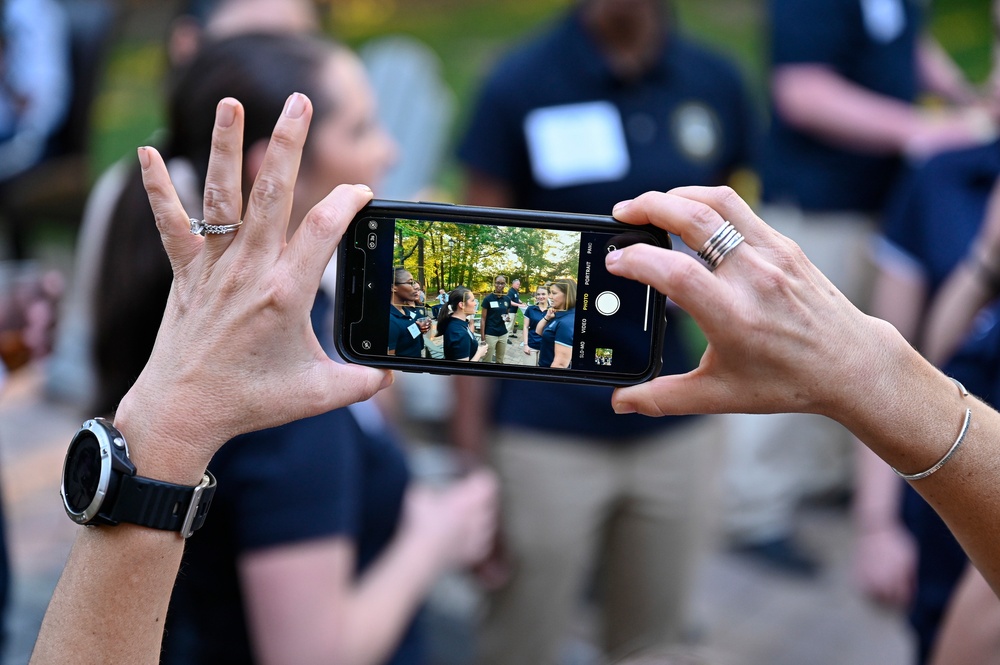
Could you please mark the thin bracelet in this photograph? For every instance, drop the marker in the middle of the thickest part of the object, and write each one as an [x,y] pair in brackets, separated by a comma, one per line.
[947,456]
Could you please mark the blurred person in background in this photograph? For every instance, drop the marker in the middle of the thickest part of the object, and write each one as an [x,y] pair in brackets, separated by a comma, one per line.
[70,372]
[609,101]
[35,80]
[844,81]
[319,549]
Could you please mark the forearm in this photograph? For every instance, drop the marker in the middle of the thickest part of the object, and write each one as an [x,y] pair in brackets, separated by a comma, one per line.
[96,579]
[819,101]
[387,597]
[103,559]
[909,414]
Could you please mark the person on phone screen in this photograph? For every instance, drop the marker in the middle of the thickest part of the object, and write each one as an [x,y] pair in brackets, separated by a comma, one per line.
[557,324]
[514,293]
[405,331]
[532,315]
[453,326]
[493,325]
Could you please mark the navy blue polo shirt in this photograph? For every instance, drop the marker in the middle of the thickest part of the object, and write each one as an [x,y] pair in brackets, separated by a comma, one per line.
[458,340]
[872,44]
[687,121]
[515,299]
[558,331]
[404,335]
[937,209]
[532,315]
[494,308]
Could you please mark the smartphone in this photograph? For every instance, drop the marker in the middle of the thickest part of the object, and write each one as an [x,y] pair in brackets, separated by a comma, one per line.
[612,330]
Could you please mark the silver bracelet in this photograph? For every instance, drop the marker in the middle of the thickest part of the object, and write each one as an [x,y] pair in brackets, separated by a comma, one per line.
[951,451]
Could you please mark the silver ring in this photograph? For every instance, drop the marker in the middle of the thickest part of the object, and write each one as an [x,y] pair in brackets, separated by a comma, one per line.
[723,241]
[200,228]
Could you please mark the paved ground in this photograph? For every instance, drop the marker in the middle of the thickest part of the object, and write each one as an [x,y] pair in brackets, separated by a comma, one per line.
[744,616]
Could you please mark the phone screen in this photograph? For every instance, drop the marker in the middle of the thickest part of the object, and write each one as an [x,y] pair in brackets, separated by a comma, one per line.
[569,317]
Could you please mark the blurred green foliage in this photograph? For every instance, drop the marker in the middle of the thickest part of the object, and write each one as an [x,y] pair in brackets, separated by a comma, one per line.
[469,35]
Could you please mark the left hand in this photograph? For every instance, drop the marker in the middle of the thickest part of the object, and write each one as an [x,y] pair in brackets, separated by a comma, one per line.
[236,351]
[781,337]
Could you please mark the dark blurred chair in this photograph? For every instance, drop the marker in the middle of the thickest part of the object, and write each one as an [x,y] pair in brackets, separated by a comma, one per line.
[56,188]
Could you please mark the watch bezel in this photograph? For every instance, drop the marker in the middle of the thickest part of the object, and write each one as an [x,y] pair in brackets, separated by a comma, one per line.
[105,436]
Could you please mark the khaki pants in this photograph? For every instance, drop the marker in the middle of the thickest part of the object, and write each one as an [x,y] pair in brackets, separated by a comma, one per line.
[776,460]
[637,511]
[497,348]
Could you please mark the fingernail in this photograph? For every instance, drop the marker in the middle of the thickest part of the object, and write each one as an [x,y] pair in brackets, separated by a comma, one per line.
[613,257]
[624,408]
[364,188]
[143,157]
[295,106]
[226,113]
[621,205]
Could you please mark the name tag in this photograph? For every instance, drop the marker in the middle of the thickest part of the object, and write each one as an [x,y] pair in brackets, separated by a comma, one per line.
[576,144]
[494,304]
[414,330]
[884,20]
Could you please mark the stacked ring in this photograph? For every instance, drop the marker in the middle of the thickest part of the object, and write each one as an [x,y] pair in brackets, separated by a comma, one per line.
[200,228]
[723,241]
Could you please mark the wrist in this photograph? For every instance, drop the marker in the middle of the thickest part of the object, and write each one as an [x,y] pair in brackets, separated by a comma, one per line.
[163,444]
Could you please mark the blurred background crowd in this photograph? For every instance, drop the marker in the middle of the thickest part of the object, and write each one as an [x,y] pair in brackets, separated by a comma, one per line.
[866,130]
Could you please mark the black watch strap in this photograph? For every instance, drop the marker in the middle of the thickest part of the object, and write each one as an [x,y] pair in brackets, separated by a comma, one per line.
[160,505]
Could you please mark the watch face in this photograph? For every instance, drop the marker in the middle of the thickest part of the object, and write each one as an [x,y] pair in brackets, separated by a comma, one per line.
[82,473]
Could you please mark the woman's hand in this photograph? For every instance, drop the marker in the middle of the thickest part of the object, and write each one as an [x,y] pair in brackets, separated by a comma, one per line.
[236,351]
[780,335]
[460,519]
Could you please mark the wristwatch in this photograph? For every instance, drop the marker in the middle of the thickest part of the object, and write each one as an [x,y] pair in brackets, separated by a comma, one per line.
[100,485]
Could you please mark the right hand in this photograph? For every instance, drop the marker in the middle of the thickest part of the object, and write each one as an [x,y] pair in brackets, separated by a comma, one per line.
[460,519]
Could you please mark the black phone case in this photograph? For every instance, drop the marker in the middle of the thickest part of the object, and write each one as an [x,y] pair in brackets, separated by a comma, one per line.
[447,212]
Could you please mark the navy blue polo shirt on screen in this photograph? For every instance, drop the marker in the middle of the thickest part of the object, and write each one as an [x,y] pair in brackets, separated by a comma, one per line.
[532,315]
[687,121]
[872,44]
[404,336]
[936,211]
[494,307]
[558,331]
[458,340]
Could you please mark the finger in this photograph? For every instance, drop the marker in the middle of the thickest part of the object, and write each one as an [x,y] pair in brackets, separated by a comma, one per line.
[729,204]
[171,219]
[270,203]
[223,201]
[316,239]
[674,395]
[680,277]
[695,221]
